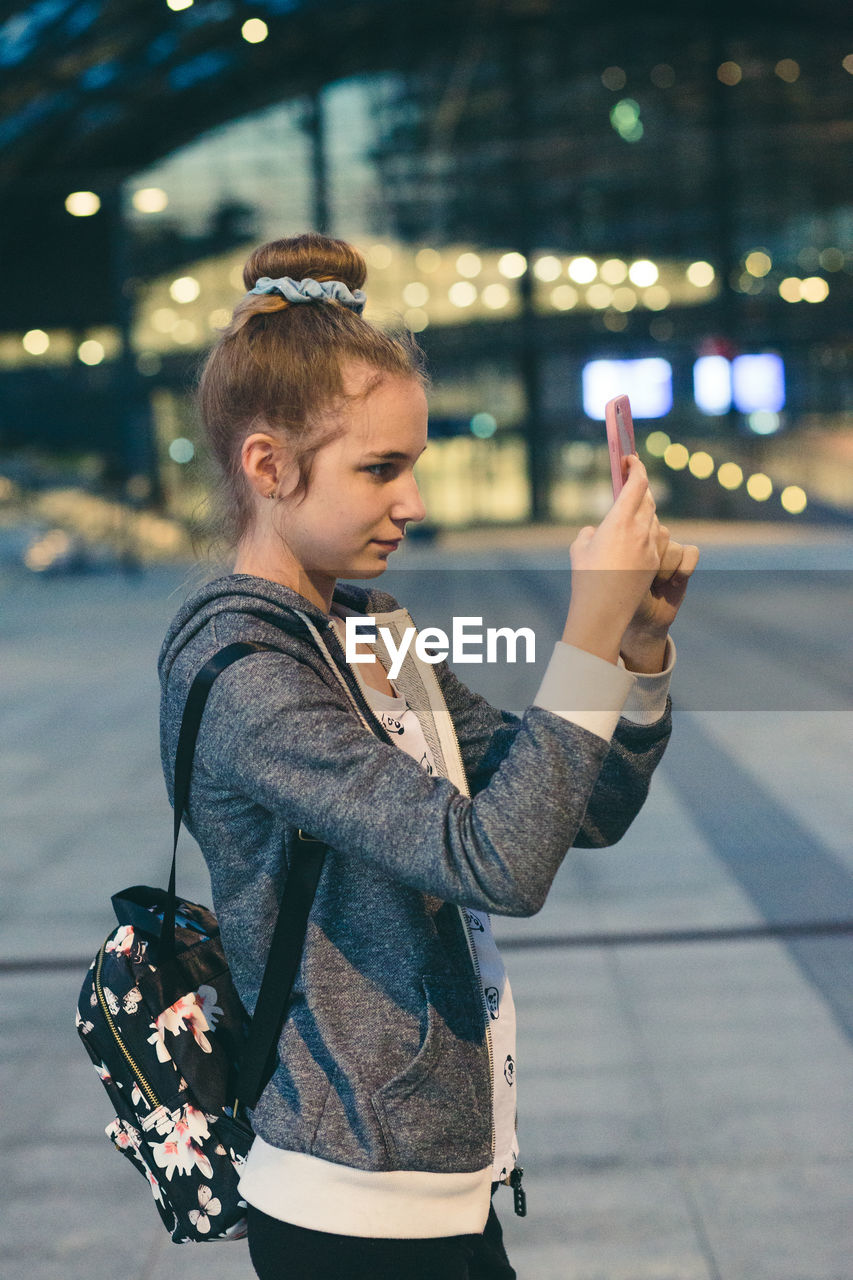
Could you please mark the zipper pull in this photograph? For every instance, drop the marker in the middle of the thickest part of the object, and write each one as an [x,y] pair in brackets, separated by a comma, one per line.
[519,1198]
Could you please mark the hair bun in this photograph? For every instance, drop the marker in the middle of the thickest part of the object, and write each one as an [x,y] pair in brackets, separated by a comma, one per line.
[307,256]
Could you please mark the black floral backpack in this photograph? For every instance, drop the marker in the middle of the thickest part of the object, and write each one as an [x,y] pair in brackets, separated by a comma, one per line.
[167,1034]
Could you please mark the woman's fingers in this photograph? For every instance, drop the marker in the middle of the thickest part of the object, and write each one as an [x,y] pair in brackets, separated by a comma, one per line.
[671,554]
[635,487]
[677,562]
[688,562]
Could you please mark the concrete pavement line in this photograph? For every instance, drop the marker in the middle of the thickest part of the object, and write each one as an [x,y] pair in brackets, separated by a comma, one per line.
[548,942]
[787,872]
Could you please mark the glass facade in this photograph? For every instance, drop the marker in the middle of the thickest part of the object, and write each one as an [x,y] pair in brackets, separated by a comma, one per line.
[535,196]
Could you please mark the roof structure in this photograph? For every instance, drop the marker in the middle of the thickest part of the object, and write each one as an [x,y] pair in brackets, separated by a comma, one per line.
[93,87]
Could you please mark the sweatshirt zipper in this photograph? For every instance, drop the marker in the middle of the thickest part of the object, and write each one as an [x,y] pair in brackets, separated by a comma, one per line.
[519,1198]
[485,1011]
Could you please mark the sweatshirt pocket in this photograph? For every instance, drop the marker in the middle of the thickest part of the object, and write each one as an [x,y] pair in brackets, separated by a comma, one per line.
[435,1115]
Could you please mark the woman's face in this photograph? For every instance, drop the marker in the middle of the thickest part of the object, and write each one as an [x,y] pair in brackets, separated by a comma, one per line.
[362,489]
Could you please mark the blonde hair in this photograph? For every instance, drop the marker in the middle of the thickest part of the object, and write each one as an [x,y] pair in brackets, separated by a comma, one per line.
[279,366]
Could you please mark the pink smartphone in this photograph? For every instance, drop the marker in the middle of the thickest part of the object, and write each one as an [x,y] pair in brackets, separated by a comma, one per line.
[620,439]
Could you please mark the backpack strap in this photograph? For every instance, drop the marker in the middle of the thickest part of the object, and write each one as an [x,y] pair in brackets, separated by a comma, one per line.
[260,1051]
[190,724]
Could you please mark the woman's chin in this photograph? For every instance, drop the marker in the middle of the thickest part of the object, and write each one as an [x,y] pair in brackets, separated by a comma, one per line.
[373,572]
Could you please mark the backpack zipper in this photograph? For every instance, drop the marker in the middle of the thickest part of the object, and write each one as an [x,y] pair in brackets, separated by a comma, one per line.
[140,1078]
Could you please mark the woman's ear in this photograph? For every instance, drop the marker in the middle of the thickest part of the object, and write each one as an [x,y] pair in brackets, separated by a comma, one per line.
[266,464]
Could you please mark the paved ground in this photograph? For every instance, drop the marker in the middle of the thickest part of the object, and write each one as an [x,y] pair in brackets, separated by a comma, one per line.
[684,1105]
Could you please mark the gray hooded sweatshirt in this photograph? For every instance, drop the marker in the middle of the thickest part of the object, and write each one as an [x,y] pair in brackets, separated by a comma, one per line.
[383,1087]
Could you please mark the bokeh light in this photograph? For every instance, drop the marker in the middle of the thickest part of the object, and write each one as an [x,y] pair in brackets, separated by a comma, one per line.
[657,298]
[759,486]
[185,289]
[625,118]
[700,274]
[427,260]
[254,30]
[613,271]
[462,293]
[831,259]
[469,265]
[512,265]
[599,296]
[729,73]
[814,289]
[564,297]
[82,204]
[380,256]
[149,200]
[793,499]
[181,450]
[758,263]
[495,296]
[90,352]
[547,268]
[36,342]
[483,425]
[788,70]
[582,270]
[764,422]
[730,475]
[676,457]
[624,299]
[701,465]
[643,273]
[415,294]
[657,443]
[613,78]
[185,332]
[164,319]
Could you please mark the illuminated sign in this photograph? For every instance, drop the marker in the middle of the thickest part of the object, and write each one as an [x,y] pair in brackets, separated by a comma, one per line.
[648,384]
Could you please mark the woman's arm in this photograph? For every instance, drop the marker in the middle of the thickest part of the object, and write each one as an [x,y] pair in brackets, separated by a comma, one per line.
[634,751]
[274,734]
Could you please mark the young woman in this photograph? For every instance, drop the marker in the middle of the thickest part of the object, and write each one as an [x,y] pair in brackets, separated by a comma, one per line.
[390,1119]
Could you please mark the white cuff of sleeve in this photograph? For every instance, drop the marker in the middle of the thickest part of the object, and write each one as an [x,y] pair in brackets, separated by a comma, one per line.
[646,702]
[585,689]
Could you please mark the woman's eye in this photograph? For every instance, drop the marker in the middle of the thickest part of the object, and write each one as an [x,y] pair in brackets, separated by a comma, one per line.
[380,469]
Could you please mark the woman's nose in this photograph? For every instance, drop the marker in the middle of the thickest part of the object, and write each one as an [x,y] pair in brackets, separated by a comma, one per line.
[409,504]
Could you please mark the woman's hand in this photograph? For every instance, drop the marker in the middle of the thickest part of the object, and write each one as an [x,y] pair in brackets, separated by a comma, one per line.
[644,642]
[613,567]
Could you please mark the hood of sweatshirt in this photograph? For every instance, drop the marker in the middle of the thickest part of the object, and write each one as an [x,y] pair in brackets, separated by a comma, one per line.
[262,600]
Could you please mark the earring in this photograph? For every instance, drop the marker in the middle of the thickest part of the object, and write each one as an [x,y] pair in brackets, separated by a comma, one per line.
[272,494]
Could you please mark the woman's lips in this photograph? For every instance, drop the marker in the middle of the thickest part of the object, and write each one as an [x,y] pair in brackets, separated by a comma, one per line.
[391,545]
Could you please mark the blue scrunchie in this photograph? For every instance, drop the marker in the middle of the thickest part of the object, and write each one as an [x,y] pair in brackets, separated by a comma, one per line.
[313,291]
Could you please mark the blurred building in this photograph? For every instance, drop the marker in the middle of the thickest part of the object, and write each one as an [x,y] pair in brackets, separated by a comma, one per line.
[540,188]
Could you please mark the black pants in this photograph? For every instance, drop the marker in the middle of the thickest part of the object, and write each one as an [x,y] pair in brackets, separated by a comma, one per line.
[280,1251]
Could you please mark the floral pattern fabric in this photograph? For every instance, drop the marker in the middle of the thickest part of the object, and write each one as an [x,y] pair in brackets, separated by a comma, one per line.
[165,1049]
